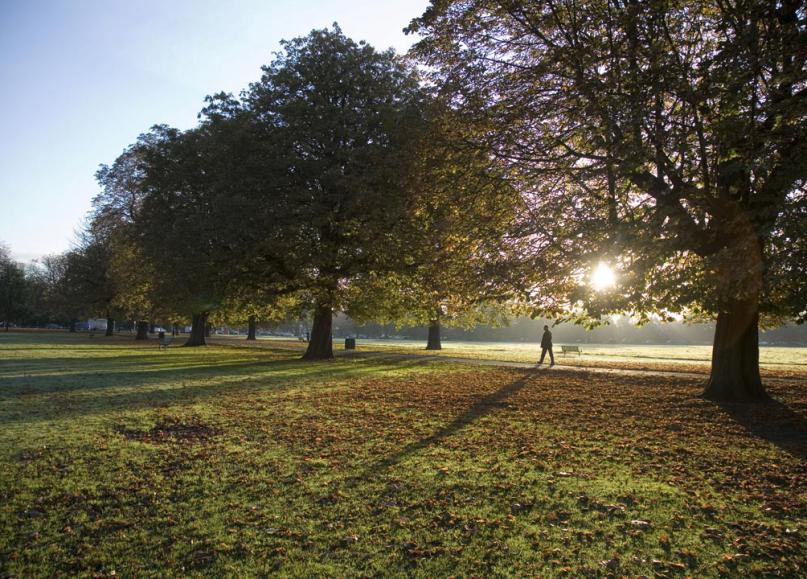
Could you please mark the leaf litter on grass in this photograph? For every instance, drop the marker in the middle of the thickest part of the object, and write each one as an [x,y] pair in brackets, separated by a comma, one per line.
[421,471]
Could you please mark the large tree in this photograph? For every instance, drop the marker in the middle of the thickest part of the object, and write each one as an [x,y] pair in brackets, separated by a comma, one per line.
[338,115]
[666,138]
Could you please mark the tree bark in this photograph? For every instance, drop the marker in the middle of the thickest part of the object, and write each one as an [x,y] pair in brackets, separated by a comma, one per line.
[433,342]
[252,328]
[320,345]
[110,325]
[735,354]
[142,330]
[207,328]
[198,330]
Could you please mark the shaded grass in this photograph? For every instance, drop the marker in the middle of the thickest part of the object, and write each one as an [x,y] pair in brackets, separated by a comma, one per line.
[223,461]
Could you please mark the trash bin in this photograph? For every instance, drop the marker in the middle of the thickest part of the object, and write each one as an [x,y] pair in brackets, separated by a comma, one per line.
[350,343]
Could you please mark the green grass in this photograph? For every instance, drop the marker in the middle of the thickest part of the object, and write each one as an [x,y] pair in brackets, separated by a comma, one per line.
[221,461]
[774,360]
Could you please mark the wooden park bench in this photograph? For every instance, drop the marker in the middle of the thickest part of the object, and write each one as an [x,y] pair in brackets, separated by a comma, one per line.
[567,349]
[164,342]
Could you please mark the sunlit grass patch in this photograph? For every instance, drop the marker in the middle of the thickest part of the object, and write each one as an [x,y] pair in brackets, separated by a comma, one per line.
[775,361]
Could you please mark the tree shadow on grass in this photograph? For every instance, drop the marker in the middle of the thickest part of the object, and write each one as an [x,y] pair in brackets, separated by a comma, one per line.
[772,421]
[477,410]
[118,391]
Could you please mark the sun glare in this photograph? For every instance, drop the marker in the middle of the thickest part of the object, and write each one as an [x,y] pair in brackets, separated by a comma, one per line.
[603,277]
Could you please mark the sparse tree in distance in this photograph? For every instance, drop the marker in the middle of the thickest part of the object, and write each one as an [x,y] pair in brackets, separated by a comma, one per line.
[12,288]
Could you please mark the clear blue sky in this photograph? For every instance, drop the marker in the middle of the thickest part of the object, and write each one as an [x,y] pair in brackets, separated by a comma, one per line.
[80,79]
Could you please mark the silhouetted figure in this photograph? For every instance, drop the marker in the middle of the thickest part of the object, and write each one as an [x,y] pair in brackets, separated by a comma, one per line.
[546,346]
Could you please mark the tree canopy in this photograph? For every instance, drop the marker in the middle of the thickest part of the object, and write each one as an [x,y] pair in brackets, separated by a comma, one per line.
[667,139]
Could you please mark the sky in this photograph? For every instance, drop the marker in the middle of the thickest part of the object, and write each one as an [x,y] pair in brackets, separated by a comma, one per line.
[81,79]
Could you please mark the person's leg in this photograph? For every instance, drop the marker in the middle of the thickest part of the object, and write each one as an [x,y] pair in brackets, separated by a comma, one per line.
[551,357]
[543,355]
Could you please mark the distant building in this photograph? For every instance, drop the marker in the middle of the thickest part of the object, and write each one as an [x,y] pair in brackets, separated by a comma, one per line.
[98,324]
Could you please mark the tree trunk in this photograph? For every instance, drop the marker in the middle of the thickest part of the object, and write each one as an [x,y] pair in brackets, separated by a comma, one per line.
[207,328]
[434,336]
[110,325]
[72,326]
[252,327]
[320,345]
[142,330]
[174,330]
[151,327]
[198,330]
[735,354]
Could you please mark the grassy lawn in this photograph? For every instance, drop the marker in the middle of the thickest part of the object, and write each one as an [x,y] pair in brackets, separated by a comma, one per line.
[116,458]
[775,361]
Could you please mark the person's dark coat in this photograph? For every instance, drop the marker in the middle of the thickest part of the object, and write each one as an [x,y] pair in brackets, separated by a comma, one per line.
[546,339]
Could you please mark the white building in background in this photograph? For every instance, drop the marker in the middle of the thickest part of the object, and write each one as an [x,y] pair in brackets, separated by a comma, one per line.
[98,324]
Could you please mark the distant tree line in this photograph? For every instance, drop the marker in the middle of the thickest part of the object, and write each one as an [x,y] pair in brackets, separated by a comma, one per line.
[522,145]
[523,329]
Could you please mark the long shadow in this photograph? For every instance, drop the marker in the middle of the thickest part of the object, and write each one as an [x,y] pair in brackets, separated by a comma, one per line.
[479,409]
[62,374]
[67,374]
[150,391]
[21,369]
[772,421]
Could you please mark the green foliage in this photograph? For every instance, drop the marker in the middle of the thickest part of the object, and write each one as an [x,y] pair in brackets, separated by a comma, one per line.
[282,197]
[461,257]
[339,117]
[116,211]
[182,228]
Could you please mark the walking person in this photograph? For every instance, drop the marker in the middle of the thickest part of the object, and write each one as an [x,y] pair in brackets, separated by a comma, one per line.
[546,346]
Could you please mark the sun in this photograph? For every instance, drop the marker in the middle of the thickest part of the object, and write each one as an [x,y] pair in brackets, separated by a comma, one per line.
[603,277]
